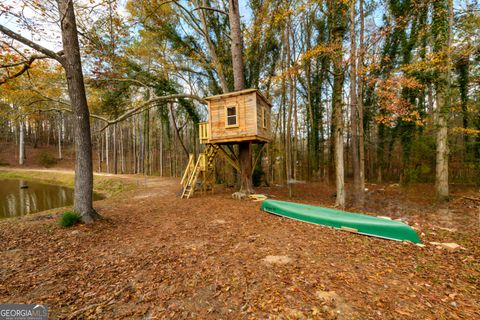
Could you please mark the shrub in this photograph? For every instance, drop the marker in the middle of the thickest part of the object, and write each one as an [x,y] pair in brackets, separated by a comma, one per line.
[257,176]
[46,159]
[69,219]
[420,173]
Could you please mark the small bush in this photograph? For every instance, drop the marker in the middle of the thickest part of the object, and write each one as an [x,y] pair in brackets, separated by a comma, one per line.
[257,176]
[69,219]
[46,159]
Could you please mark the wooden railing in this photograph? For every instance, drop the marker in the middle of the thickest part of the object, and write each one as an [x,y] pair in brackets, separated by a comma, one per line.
[203,132]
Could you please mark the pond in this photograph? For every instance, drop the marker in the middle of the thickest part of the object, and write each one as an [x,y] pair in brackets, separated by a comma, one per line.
[20,197]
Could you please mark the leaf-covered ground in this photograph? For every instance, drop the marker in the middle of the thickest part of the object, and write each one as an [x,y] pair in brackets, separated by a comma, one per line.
[212,257]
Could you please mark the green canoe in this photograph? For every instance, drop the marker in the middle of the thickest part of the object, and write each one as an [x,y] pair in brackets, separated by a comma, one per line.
[354,222]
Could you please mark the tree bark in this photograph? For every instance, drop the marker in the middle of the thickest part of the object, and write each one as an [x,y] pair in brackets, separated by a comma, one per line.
[107,148]
[441,27]
[245,158]
[21,142]
[441,181]
[122,152]
[337,16]
[83,197]
[60,136]
[353,108]
[244,148]
[115,158]
[361,135]
[236,46]
[161,148]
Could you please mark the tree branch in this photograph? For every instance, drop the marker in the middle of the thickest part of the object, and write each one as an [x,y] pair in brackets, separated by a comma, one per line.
[138,82]
[26,61]
[15,75]
[154,100]
[27,64]
[54,55]
[174,121]
[211,9]
[128,113]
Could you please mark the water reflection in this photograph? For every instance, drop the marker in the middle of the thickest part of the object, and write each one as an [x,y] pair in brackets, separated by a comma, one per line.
[15,201]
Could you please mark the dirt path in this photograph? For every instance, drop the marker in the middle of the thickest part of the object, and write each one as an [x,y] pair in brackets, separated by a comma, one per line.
[212,257]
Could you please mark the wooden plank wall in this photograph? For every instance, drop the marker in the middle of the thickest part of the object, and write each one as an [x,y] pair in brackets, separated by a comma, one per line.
[263,132]
[246,113]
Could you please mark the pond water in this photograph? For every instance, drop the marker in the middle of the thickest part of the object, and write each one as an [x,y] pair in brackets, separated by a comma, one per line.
[18,200]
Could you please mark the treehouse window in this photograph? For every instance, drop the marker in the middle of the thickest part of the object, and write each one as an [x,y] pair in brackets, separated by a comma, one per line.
[264,118]
[231,119]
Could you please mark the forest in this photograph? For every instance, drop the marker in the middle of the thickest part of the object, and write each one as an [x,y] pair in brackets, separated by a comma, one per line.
[366,96]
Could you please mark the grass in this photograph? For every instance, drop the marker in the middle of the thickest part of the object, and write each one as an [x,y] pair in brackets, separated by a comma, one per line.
[46,159]
[106,186]
[69,219]
[63,179]
[113,186]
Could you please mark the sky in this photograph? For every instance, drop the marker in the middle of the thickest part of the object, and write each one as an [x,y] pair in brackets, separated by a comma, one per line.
[49,39]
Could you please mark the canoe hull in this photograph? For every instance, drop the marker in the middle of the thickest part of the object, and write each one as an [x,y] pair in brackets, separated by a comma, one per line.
[360,223]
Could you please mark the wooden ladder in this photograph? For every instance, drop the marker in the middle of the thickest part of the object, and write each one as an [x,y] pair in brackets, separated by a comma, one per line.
[189,186]
[188,170]
[205,163]
[211,152]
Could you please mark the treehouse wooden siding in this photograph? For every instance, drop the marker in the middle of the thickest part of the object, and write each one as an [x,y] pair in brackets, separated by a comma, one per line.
[248,126]
[263,119]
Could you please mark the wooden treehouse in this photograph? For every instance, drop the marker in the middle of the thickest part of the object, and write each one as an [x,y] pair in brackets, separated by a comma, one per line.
[233,118]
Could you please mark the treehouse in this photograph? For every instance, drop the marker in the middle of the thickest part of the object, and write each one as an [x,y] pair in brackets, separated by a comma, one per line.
[242,116]
[233,118]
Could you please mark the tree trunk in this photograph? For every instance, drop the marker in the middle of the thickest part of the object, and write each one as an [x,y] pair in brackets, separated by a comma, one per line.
[337,15]
[134,146]
[21,142]
[83,194]
[141,147]
[115,160]
[146,141]
[288,124]
[361,135]
[161,148]
[60,136]
[441,182]
[99,152]
[245,157]
[107,148]
[236,46]
[244,148]
[122,152]
[441,27]
[353,108]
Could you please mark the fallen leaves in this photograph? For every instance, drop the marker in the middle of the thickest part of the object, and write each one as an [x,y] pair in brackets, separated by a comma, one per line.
[213,257]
